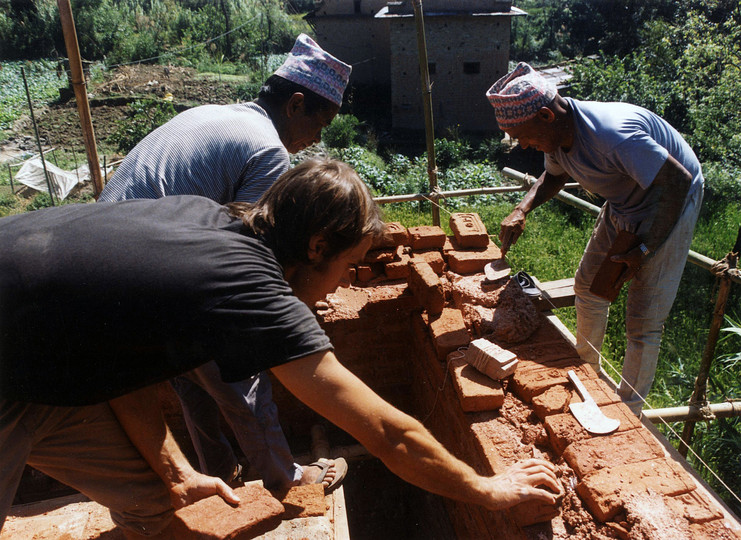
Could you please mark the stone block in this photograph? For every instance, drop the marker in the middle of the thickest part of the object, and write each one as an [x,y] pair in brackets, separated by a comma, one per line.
[604,491]
[448,331]
[476,391]
[426,237]
[472,260]
[598,453]
[212,518]
[469,230]
[426,287]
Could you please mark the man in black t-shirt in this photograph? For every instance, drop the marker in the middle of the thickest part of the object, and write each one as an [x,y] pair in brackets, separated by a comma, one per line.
[100,302]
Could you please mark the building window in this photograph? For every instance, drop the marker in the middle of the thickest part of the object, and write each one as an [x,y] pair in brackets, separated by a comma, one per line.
[431,68]
[471,68]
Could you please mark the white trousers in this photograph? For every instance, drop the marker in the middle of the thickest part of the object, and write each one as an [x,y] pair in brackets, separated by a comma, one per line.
[651,294]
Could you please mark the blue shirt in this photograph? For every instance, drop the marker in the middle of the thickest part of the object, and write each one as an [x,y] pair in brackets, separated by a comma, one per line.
[617,151]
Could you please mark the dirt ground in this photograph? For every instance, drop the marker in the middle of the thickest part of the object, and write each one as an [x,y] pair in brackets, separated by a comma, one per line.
[59,123]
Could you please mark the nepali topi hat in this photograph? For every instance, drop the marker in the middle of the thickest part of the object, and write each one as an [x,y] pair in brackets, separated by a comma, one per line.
[315,69]
[518,96]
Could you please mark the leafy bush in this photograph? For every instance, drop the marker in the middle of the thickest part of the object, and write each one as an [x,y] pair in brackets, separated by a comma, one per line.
[42,200]
[145,116]
[450,153]
[342,132]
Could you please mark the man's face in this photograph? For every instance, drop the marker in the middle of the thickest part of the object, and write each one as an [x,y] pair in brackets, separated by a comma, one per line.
[537,133]
[304,130]
[312,283]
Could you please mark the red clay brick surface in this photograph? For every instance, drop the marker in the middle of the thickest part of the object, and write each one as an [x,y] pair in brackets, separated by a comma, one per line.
[470,261]
[394,234]
[599,452]
[469,230]
[476,391]
[426,237]
[448,332]
[604,490]
[426,287]
[212,518]
[433,257]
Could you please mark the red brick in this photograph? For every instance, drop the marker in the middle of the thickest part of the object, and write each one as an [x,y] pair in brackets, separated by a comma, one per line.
[531,379]
[695,507]
[426,287]
[426,237]
[532,512]
[604,452]
[398,269]
[544,352]
[380,256]
[366,272]
[469,230]
[564,429]
[394,234]
[448,331]
[604,491]
[304,501]
[476,391]
[473,260]
[213,518]
[433,257]
[555,400]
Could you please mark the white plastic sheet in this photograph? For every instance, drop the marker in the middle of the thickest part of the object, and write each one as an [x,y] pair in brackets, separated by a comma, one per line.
[31,174]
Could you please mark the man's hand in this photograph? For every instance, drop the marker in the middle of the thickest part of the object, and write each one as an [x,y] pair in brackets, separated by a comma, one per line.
[197,486]
[532,479]
[511,228]
[633,260]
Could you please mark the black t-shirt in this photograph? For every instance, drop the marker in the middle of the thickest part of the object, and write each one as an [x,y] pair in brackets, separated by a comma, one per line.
[97,300]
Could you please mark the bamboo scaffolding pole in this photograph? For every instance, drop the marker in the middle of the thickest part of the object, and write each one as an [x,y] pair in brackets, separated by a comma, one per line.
[424,73]
[38,140]
[686,413]
[699,400]
[77,78]
[10,176]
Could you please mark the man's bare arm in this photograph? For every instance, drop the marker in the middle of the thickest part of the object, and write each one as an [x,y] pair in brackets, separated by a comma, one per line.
[140,415]
[543,190]
[403,444]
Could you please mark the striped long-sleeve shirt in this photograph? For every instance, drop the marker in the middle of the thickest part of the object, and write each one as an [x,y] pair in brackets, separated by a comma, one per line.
[223,152]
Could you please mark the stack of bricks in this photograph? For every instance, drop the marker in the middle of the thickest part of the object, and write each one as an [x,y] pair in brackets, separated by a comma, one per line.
[469,413]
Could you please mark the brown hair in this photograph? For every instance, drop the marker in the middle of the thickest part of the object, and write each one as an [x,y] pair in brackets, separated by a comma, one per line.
[319,196]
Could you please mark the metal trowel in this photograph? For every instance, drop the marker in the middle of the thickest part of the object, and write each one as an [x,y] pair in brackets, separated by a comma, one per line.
[496,269]
[588,414]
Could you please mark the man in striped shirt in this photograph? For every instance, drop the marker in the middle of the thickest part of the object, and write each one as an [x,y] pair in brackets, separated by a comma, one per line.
[234,153]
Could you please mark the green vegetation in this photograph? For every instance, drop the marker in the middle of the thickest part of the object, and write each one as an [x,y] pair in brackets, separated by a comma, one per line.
[44,81]
[146,115]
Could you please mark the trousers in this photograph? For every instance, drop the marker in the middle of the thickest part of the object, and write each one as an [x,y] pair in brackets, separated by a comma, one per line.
[87,449]
[248,408]
[651,294]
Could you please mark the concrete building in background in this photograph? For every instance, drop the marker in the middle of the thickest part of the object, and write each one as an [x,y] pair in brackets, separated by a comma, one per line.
[467,50]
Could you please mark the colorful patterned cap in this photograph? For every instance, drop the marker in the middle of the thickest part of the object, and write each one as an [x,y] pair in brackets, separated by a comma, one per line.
[312,67]
[518,96]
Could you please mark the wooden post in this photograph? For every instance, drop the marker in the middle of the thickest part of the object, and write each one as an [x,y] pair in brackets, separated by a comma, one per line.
[424,74]
[699,399]
[49,186]
[10,175]
[78,84]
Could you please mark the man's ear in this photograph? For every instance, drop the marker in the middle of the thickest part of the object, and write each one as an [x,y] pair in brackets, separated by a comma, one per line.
[546,115]
[295,104]
[317,248]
